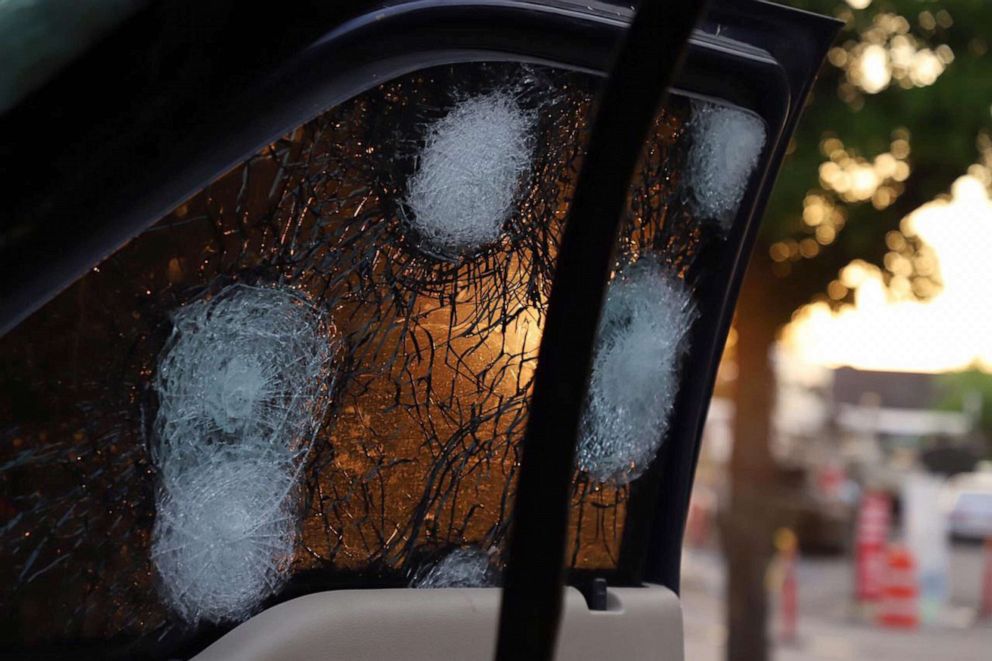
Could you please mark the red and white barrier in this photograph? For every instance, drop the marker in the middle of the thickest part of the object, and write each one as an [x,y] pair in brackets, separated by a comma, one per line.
[874,522]
[898,605]
[787,553]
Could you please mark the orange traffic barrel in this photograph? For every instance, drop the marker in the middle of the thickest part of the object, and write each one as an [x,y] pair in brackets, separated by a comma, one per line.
[899,603]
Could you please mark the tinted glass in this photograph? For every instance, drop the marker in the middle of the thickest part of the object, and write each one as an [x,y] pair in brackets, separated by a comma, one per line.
[315,373]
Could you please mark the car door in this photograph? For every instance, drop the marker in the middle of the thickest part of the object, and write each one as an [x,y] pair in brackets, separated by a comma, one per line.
[274,304]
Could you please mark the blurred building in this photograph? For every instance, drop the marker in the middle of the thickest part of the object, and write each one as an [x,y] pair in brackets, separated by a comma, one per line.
[840,430]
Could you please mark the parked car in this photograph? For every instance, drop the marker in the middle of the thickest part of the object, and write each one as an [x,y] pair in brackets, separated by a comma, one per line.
[969,505]
[275,284]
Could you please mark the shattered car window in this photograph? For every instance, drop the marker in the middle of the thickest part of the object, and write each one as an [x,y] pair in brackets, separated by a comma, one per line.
[316,372]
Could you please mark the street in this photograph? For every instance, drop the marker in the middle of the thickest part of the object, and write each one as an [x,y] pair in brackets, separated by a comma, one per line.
[828,624]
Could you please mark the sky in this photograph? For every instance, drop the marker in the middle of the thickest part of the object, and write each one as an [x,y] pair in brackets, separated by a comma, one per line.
[951,330]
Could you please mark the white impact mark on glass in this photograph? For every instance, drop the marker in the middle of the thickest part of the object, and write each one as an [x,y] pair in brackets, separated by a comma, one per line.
[223,537]
[726,144]
[642,336]
[462,568]
[243,366]
[473,165]
[242,385]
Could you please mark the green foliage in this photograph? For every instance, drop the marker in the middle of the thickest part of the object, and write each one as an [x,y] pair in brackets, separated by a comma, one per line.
[943,121]
[958,391]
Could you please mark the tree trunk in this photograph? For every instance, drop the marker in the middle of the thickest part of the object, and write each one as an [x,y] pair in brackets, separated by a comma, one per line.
[750,519]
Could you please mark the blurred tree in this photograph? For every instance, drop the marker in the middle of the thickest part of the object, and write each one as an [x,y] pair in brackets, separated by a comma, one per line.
[969,390]
[900,111]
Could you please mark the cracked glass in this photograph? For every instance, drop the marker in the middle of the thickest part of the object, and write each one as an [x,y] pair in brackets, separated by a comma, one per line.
[424,339]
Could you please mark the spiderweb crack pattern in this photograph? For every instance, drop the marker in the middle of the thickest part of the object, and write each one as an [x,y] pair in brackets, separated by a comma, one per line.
[242,386]
[641,339]
[469,173]
[434,354]
[467,567]
[725,149]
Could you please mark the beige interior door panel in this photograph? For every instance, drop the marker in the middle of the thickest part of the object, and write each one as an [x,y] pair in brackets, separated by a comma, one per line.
[454,624]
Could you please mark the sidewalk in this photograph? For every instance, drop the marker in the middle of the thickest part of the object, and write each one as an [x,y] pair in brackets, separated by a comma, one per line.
[828,628]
